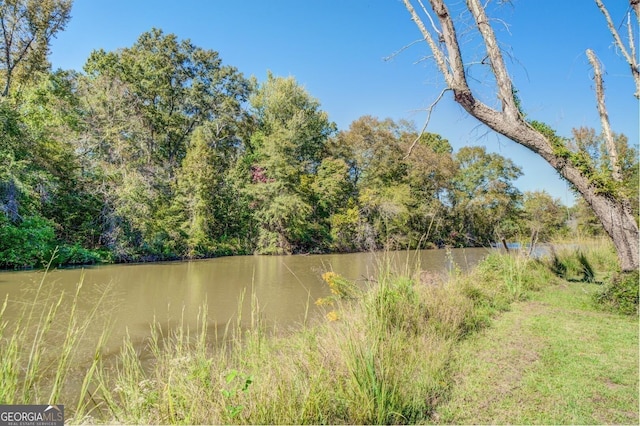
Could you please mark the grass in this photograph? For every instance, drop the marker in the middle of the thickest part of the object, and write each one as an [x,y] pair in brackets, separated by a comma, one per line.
[37,358]
[382,355]
[509,342]
[554,359]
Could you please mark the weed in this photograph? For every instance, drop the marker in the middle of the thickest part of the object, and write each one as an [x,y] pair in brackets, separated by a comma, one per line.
[236,383]
[588,275]
[29,371]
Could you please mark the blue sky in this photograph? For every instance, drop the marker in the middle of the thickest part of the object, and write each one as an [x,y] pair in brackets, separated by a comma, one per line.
[337,50]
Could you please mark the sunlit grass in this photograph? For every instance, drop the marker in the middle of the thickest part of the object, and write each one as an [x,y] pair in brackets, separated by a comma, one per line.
[555,359]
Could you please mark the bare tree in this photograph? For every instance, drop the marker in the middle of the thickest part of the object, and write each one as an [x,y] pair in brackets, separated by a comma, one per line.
[609,204]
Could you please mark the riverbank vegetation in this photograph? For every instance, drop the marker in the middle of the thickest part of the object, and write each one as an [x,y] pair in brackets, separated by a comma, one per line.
[160,150]
[402,348]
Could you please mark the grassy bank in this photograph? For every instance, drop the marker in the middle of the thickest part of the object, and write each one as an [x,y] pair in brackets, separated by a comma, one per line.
[554,359]
[513,336]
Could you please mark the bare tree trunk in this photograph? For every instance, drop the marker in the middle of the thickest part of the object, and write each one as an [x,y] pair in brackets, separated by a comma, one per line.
[604,117]
[612,210]
[533,241]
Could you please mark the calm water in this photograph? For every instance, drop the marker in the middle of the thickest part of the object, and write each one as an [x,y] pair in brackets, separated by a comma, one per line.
[134,296]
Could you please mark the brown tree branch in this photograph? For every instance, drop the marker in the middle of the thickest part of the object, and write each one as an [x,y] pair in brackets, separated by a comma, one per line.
[449,37]
[635,5]
[441,60]
[426,123]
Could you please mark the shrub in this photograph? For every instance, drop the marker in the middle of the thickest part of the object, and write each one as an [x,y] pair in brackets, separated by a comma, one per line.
[581,264]
[26,244]
[621,294]
[77,255]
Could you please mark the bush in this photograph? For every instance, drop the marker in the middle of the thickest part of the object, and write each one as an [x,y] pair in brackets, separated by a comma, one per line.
[26,244]
[621,294]
[77,255]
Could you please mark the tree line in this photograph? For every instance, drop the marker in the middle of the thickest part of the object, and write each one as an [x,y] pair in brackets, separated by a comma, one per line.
[162,151]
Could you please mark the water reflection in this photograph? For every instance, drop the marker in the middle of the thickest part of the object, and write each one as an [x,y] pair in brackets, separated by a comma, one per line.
[174,293]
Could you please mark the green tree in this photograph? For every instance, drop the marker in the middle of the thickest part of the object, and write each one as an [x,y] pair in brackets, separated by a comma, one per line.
[543,215]
[400,178]
[52,117]
[484,199]
[142,105]
[37,175]
[592,149]
[332,186]
[26,29]
[431,171]
[14,162]
[371,148]
[287,150]
[586,223]
[205,199]
[168,87]
[30,242]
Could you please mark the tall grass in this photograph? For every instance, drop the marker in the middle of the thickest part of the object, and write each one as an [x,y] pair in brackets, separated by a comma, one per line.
[382,354]
[595,261]
[36,358]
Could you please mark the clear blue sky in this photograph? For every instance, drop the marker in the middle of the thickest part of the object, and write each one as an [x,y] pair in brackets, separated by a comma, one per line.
[337,50]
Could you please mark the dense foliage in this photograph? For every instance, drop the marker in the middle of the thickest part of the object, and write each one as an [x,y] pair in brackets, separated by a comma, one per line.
[162,151]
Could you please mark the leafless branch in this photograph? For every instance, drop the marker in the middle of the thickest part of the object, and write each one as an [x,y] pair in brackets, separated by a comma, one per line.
[604,117]
[426,12]
[439,56]
[631,59]
[506,26]
[402,49]
[632,43]
[424,58]
[426,123]
[503,81]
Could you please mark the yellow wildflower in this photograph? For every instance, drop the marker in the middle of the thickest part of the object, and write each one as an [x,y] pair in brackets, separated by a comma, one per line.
[333,316]
[324,301]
